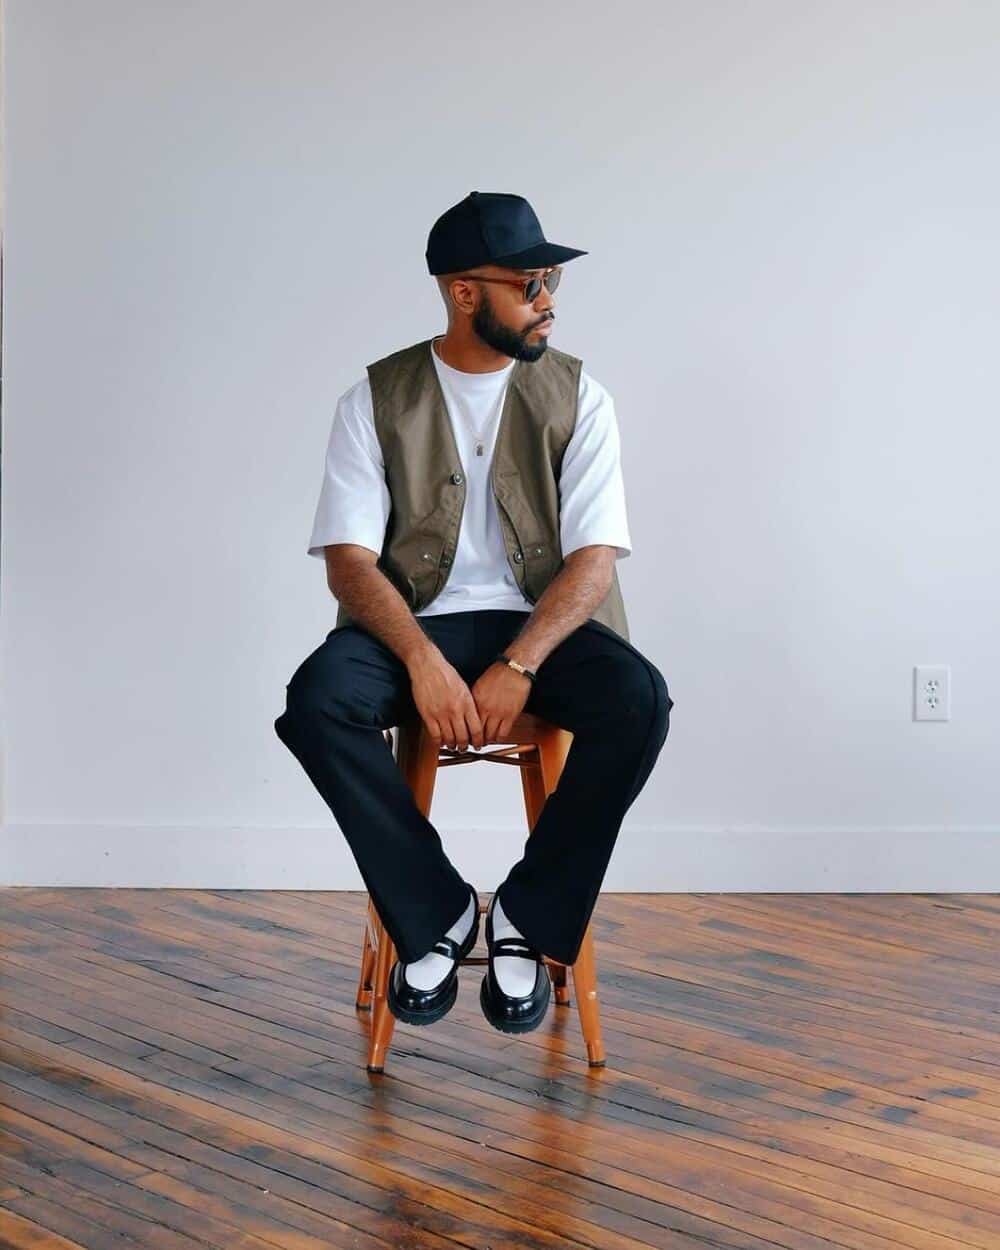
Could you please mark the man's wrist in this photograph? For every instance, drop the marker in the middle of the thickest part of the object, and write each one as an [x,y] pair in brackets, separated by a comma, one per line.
[525,655]
[420,650]
[508,661]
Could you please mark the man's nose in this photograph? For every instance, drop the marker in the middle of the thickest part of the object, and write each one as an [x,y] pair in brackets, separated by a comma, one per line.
[545,301]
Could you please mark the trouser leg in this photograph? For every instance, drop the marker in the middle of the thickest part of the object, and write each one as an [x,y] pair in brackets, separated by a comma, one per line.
[338,703]
[617,705]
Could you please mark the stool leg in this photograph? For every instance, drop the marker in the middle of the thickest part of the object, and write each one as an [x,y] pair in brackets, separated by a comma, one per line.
[585,984]
[363,1002]
[383,1021]
[560,990]
[532,783]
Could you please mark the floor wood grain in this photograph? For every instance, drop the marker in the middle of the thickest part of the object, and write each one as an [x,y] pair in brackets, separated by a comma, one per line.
[186,1068]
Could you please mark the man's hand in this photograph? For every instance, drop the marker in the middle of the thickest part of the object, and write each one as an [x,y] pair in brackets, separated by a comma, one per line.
[500,693]
[457,716]
[445,703]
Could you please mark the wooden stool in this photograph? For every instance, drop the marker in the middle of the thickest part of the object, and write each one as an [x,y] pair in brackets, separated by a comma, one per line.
[540,753]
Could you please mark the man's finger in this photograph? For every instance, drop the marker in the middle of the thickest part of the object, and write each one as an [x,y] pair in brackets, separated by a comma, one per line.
[474,723]
[459,737]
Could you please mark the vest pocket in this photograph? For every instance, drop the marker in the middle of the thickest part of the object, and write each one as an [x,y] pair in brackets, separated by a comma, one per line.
[542,561]
[425,573]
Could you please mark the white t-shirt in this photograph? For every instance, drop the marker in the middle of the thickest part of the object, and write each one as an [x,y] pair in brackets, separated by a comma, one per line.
[354,502]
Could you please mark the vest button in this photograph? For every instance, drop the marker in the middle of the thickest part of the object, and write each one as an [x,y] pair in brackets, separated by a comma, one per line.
[518,556]
[445,560]
[536,551]
[427,556]
[457,479]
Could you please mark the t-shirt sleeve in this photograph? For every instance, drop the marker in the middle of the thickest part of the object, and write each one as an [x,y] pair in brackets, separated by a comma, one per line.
[591,487]
[354,501]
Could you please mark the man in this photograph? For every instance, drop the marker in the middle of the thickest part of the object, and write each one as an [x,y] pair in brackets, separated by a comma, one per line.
[471,516]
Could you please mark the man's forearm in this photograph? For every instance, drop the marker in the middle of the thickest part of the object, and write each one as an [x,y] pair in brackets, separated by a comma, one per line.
[370,599]
[569,600]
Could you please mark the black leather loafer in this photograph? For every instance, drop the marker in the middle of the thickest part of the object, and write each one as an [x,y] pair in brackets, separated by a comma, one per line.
[506,1012]
[414,1006]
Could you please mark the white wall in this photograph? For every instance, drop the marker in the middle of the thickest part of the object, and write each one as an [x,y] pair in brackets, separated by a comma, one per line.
[216,216]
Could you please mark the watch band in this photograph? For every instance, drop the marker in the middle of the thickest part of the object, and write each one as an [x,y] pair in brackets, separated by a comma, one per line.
[505,659]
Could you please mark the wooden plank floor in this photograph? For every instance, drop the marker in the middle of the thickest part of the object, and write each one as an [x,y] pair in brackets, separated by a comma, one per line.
[185,1068]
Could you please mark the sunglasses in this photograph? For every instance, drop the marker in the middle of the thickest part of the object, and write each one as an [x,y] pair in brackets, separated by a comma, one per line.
[530,287]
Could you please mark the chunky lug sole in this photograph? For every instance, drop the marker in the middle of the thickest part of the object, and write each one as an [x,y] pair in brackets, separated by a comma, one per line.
[523,1025]
[440,1007]
[494,1008]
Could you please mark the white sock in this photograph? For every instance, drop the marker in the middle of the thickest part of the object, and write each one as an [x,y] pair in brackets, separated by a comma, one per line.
[515,974]
[425,973]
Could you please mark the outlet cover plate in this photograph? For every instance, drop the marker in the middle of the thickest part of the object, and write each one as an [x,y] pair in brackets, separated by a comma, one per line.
[931,692]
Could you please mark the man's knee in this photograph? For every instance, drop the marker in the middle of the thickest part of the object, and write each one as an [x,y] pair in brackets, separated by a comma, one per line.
[314,690]
[662,705]
[644,698]
[662,695]
[295,719]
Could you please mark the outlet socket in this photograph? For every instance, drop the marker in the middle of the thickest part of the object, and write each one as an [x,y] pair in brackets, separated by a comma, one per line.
[931,692]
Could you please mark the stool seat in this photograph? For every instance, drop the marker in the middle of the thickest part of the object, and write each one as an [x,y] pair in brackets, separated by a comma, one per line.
[539,749]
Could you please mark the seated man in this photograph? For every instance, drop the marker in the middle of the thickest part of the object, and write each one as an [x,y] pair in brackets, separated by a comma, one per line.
[471,516]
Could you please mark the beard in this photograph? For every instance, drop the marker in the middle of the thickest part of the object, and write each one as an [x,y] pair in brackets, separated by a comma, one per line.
[502,338]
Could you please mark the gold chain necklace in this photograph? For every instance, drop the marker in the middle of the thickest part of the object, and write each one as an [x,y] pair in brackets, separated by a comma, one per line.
[479,437]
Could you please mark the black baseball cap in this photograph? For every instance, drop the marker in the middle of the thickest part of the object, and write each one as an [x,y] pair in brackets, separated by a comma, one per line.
[491,228]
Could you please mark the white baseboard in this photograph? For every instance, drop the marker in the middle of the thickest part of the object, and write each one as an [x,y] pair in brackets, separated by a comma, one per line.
[647,860]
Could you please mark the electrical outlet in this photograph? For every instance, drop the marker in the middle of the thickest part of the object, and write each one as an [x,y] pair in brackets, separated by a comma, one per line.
[932,692]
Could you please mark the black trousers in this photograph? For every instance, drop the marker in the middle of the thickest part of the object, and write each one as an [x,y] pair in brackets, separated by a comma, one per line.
[594,683]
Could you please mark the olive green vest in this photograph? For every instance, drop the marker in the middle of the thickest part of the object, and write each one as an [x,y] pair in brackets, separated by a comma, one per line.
[426,484]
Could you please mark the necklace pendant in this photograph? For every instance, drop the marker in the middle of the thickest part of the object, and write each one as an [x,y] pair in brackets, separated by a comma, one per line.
[479,449]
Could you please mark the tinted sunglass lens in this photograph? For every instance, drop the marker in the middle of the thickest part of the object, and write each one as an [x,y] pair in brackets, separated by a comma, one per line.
[534,285]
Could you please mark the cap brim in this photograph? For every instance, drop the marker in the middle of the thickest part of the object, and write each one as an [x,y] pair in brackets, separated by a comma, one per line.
[538,257]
